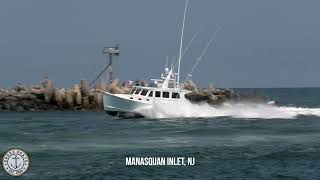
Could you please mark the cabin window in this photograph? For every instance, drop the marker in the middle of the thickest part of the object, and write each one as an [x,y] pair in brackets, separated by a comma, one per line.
[165,94]
[158,93]
[144,92]
[151,94]
[137,91]
[132,91]
[175,95]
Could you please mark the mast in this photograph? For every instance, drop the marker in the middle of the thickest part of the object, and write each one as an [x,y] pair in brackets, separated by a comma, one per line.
[181,42]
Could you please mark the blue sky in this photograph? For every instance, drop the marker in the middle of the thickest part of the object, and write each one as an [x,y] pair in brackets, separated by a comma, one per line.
[261,43]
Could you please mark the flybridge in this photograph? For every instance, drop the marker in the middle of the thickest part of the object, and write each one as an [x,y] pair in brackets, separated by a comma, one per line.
[168,80]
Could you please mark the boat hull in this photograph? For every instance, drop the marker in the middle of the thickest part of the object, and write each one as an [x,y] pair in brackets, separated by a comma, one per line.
[119,105]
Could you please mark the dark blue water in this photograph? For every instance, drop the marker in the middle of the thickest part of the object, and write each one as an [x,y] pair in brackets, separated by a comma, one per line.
[88,145]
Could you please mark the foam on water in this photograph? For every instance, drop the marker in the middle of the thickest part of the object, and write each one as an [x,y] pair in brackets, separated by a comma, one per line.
[236,110]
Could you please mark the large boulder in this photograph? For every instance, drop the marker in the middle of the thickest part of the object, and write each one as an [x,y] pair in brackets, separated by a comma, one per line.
[197,97]
[11,98]
[13,104]
[18,108]
[58,98]
[102,85]
[191,86]
[27,104]
[211,96]
[70,98]
[77,92]
[6,106]
[48,92]
[114,87]
[213,99]
[25,95]
[3,95]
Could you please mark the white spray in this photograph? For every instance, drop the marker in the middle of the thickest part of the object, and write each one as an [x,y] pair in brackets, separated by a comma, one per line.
[187,109]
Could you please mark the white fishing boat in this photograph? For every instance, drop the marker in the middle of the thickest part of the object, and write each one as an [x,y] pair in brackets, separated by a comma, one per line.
[166,89]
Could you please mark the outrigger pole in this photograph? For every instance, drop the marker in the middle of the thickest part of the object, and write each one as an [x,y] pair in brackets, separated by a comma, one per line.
[186,49]
[203,53]
[181,42]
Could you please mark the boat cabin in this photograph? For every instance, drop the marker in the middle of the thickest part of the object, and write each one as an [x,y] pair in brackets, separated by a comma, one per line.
[155,93]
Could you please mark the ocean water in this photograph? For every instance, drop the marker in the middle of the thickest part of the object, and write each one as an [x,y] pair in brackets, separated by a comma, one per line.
[236,141]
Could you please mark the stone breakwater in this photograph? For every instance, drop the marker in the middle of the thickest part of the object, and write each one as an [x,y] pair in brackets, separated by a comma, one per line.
[81,97]
[48,97]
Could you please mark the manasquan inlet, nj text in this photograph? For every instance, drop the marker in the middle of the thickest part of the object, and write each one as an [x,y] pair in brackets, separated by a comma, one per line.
[160,161]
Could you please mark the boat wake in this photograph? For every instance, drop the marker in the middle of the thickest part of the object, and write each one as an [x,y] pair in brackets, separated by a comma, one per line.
[236,110]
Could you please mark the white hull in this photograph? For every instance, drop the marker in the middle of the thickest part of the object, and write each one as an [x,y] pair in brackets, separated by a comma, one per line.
[121,104]
[128,104]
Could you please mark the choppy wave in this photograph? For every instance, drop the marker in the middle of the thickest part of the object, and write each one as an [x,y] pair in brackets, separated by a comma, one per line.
[236,110]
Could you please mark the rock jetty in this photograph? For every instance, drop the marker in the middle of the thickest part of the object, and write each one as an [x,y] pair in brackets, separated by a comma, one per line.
[212,96]
[50,98]
[215,96]
[80,97]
